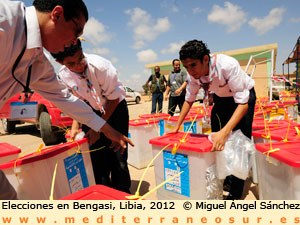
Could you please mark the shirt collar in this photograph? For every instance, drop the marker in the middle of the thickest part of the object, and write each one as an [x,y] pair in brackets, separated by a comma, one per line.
[177,71]
[212,71]
[33,29]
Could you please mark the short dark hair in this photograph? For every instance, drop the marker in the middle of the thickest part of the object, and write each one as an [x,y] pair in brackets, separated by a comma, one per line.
[194,49]
[69,51]
[72,8]
[174,60]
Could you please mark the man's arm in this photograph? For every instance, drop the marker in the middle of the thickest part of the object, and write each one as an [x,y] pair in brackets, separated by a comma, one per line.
[147,82]
[182,87]
[184,111]
[109,108]
[74,129]
[219,138]
[167,93]
[47,85]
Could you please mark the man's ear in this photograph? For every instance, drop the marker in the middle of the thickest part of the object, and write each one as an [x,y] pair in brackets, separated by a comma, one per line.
[57,13]
[205,59]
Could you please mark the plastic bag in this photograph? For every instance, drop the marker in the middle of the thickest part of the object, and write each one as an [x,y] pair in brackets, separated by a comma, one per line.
[214,186]
[236,157]
[79,136]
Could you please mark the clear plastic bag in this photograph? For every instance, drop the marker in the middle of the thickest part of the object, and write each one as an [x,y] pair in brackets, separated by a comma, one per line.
[79,136]
[214,186]
[236,157]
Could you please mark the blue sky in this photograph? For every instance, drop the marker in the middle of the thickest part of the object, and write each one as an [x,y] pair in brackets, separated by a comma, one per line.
[132,33]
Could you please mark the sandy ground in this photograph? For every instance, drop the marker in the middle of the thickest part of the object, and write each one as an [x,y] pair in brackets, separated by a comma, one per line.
[27,137]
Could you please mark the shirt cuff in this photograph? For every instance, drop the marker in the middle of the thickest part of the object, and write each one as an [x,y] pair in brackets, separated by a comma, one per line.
[241,97]
[190,97]
[96,123]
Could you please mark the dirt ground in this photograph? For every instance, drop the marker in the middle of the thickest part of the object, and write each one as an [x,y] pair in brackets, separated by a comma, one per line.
[27,137]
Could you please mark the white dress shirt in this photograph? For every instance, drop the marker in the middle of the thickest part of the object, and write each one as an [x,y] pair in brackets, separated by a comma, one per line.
[229,81]
[43,78]
[101,73]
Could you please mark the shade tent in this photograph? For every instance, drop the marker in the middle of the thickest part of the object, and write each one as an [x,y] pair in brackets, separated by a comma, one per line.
[294,57]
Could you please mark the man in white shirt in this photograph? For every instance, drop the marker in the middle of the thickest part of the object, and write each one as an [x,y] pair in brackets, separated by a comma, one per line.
[234,97]
[95,80]
[24,32]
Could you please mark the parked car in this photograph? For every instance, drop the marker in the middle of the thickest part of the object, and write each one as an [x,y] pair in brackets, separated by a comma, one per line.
[132,96]
[48,119]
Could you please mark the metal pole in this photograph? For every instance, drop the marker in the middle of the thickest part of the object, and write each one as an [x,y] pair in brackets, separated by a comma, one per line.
[297,66]
[288,71]
[272,71]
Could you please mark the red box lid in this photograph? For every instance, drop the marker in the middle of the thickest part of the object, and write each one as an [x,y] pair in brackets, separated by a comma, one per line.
[272,105]
[259,113]
[279,133]
[189,117]
[290,102]
[259,123]
[194,142]
[141,122]
[154,115]
[287,95]
[289,152]
[44,154]
[8,149]
[97,192]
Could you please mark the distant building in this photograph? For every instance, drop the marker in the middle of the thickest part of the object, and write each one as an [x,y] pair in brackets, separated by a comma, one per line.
[262,59]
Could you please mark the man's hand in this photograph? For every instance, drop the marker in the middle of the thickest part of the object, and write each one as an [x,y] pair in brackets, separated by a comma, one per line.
[74,132]
[92,136]
[118,139]
[173,131]
[177,92]
[166,97]
[219,138]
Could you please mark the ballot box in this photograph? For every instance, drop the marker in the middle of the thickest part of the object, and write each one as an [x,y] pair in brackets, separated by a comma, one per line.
[31,175]
[140,132]
[196,162]
[278,171]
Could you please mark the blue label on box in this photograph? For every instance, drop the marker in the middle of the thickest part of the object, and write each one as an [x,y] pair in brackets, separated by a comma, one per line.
[21,103]
[161,125]
[129,135]
[76,173]
[187,127]
[174,164]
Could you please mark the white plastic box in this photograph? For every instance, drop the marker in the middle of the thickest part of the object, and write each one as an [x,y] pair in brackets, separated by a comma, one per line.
[187,122]
[157,116]
[277,134]
[8,152]
[195,159]
[279,178]
[140,132]
[35,171]
[292,109]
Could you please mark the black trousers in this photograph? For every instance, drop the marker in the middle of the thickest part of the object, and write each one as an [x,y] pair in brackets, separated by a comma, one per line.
[173,102]
[221,113]
[110,168]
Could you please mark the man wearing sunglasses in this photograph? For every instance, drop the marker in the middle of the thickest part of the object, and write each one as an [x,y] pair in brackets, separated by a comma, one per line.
[24,31]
